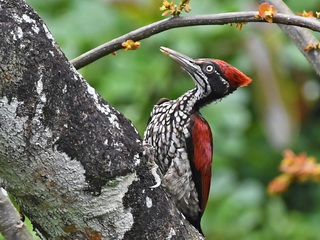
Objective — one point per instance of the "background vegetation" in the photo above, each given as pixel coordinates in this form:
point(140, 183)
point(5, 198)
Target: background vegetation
point(279, 110)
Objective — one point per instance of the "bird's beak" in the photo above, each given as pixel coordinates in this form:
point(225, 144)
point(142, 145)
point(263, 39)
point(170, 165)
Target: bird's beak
point(184, 61)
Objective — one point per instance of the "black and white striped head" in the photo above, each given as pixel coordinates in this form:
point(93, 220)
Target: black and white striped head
point(214, 78)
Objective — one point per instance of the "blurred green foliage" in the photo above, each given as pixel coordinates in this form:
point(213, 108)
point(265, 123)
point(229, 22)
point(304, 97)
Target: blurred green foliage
point(251, 127)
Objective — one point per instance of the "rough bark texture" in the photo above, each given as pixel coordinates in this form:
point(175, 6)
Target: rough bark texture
point(73, 163)
point(11, 225)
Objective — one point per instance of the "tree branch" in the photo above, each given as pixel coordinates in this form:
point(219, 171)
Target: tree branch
point(11, 226)
point(177, 22)
point(300, 36)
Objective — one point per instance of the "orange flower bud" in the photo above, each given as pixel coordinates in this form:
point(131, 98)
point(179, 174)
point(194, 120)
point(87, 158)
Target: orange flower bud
point(279, 184)
point(266, 12)
point(130, 45)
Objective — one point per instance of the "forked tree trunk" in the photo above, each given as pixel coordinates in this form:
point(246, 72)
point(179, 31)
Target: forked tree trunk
point(73, 163)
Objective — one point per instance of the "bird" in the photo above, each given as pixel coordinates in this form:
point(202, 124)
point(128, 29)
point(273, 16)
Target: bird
point(182, 139)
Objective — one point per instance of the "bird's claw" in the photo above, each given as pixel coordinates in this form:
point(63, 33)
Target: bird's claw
point(156, 176)
point(149, 152)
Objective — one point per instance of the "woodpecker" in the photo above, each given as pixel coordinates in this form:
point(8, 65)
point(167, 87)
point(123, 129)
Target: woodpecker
point(182, 138)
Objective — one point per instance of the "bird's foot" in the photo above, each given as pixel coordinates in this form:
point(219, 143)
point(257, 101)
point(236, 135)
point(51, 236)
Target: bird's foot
point(154, 168)
point(157, 178)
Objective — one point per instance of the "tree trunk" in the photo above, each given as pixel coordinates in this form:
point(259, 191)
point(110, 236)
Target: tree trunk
point(73, 163)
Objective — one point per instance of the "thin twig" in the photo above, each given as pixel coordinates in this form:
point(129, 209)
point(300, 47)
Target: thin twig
point(177, 22)
point(300, 36)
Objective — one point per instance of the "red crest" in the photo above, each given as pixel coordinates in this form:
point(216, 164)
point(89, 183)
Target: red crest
point(234, 76)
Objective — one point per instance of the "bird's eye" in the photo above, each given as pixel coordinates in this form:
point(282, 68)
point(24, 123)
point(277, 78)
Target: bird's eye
point(209, 68)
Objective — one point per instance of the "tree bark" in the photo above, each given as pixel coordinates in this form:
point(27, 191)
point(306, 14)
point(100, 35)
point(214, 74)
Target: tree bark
point(75, 165)
point(11, 225)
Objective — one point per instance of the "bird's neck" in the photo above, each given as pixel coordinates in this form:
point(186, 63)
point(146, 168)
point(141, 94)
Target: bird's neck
point(192, 100)
point(203, 99)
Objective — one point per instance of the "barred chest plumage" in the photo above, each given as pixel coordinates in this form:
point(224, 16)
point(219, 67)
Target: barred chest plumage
point(168, 131)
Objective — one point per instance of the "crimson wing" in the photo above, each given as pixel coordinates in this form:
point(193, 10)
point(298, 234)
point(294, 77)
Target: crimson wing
point(200, 150)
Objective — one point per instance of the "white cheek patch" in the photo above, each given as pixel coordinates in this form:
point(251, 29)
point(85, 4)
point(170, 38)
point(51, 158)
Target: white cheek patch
point(201, 81)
